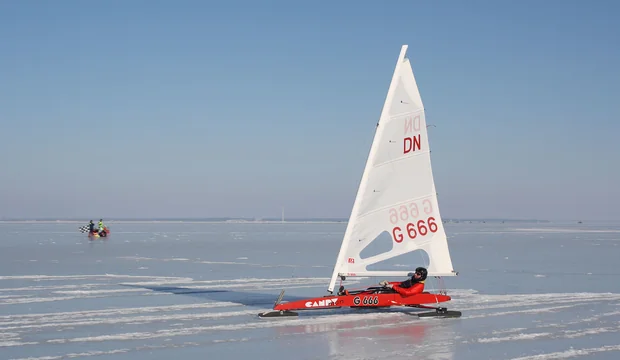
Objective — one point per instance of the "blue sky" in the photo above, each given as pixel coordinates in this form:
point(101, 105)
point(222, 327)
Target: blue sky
point(235, 108)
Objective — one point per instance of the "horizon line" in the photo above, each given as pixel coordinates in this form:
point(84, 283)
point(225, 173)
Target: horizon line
point(258, 219)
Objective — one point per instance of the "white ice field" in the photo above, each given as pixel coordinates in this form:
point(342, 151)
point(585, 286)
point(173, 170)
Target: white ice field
point(192, 291)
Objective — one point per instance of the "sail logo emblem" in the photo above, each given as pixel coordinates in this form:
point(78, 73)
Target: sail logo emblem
point(322, 303)
point(351, 261)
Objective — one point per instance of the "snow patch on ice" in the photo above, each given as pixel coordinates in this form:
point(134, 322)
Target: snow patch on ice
point(570, 353)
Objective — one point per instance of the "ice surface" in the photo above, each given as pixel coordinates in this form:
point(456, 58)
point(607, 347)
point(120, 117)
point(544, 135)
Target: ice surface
point(192, 290)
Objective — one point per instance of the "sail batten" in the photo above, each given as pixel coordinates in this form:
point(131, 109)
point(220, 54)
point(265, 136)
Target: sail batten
point(400, 159)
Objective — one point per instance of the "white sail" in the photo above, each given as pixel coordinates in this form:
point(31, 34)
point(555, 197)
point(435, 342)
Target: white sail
point(397, 191)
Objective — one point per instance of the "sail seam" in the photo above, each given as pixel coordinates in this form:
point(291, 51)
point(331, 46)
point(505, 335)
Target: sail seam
point(405, 114)
point(401, 158)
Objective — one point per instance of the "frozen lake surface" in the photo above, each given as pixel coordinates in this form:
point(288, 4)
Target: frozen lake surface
point(192, 290)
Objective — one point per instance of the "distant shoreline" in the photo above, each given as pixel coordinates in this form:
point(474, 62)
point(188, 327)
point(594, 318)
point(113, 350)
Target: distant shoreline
point(246, 221)
point(174, 222)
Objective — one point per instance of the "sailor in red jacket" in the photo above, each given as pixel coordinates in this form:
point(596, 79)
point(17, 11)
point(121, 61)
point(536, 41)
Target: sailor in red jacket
point(409, 287)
